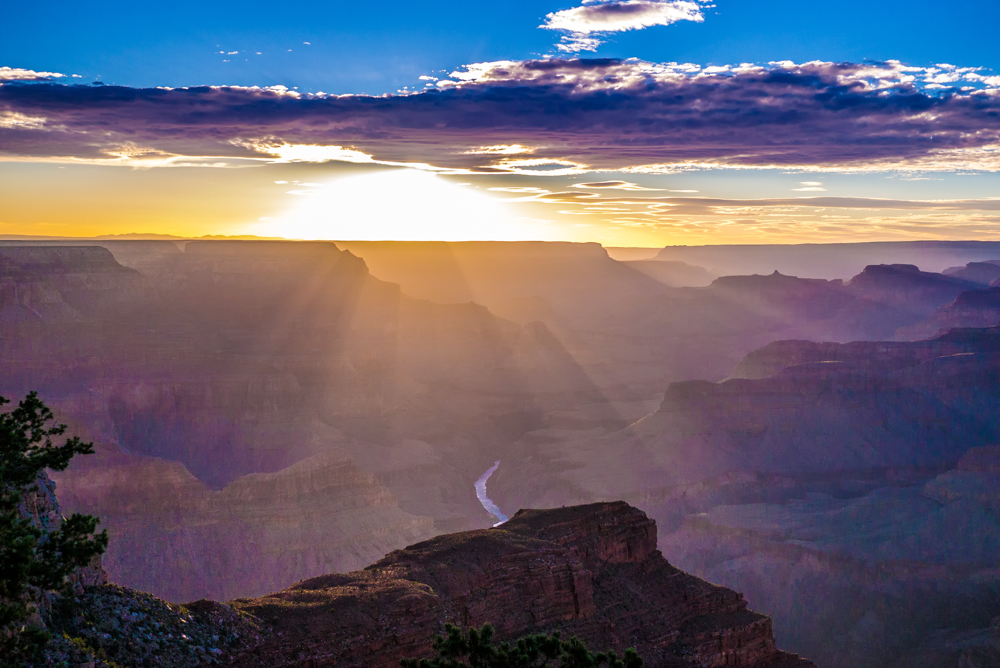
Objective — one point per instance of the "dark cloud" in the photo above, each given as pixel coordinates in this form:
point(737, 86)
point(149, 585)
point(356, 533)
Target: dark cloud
point(602, 114)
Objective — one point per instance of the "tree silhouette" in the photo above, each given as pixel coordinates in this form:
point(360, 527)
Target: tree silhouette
point(475, 649)
point(33, 560)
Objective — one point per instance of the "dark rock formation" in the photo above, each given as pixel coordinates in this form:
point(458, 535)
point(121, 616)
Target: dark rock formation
point(591, 571)
point(872, 356)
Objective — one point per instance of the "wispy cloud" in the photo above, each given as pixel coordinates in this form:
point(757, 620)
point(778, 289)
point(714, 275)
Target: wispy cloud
point(611, 185)
point(573, 115)
point(586, 25)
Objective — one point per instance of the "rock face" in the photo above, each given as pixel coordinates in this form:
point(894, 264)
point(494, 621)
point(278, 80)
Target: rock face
point(591, 571)
point(900, 575)
point(673, 274)
point(40, 506)
point(61, 285)
point(172, 535)
point(859, 477)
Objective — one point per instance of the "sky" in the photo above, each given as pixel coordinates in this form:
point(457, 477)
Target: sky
point(627, 122)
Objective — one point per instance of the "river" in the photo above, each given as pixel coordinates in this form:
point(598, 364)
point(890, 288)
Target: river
point(487, 502)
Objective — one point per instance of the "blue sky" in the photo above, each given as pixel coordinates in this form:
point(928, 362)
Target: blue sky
point(379, 47)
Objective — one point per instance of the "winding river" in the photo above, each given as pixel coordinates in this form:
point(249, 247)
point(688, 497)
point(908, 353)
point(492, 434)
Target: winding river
point(487, 502)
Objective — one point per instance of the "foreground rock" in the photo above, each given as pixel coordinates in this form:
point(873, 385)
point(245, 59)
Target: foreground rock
point(591, 571)
point(102, 625)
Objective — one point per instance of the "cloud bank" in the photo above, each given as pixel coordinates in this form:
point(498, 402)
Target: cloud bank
point(600, 17)
point(569, 116)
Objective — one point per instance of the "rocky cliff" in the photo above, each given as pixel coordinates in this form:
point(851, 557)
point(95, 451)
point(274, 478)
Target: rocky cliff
point(591, 571)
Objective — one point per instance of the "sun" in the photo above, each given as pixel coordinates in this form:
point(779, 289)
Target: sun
point(400, 205)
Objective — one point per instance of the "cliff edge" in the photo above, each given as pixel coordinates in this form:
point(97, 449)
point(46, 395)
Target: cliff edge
point(592, 571)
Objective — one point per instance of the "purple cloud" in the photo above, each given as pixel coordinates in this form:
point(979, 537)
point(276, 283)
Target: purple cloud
point(600, 17)
point(599, 114)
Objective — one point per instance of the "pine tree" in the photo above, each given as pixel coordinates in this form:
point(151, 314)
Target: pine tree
point(33, 560)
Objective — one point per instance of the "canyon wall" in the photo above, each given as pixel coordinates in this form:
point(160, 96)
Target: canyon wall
point(859, 477)
point(589, 571)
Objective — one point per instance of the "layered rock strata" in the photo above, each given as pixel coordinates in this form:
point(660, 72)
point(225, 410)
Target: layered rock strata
point(590, 571)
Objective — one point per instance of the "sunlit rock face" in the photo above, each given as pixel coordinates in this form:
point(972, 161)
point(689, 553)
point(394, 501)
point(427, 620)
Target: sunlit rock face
point(589, 571)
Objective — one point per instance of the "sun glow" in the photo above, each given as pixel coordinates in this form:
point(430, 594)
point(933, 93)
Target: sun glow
point(401, 205)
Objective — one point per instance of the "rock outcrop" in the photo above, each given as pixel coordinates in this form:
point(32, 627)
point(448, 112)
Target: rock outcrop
point(590, 571)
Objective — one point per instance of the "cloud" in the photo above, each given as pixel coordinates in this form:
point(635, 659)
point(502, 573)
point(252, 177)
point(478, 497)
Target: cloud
point(501, 149)
point(12, 119)
point(600, 17)
point(612, 185)
point(810, 186)
point(575, 115)
point(18, 74)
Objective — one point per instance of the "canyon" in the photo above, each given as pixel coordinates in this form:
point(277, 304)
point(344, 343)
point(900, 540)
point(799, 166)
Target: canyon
point(269, 412)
